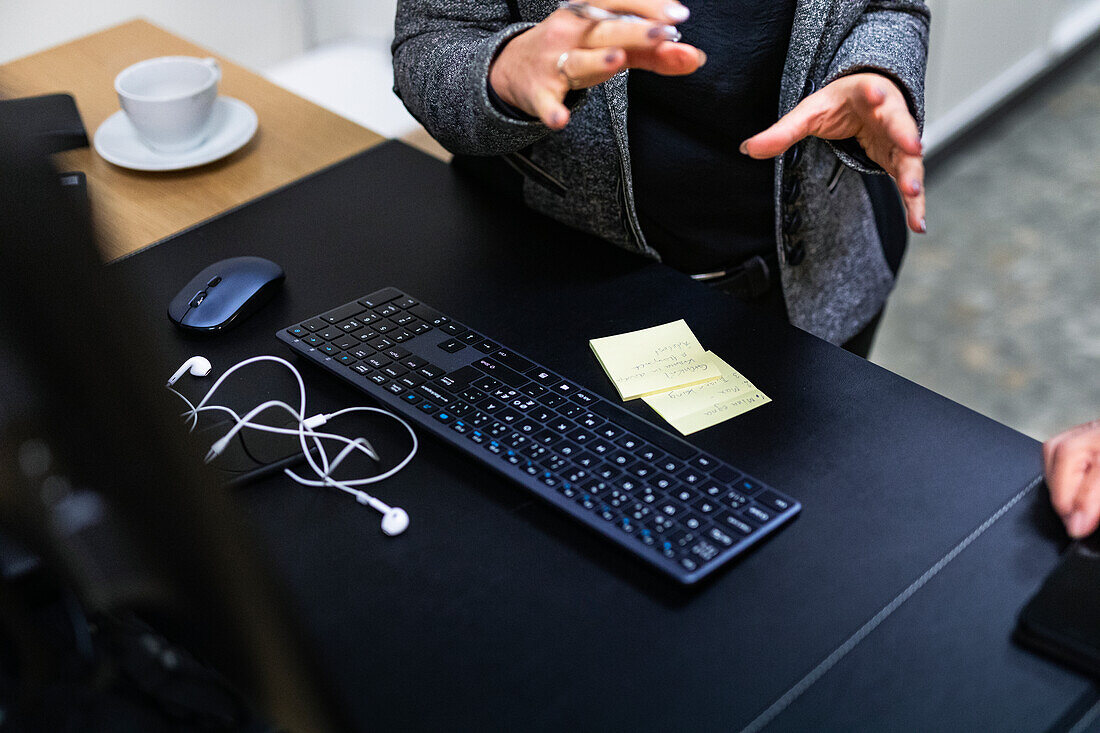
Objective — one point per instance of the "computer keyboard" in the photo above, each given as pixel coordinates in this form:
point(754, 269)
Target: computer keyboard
point(679, 509)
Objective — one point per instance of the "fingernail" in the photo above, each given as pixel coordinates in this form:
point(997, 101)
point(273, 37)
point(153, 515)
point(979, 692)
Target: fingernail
point(664, 32)
point(1077, 525)
point(914, 187)
point(744, 148)
point(919, 145)
point(923, 227)
point(676, 12)
point(559, 119)
point(610, 58)
point(702, 58)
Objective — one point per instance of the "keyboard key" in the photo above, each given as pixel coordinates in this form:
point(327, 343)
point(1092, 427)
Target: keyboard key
point(411, 398)
point(386, 327)
point(395, 388)
point(771, 499)
point(453, 328)
point(381, 343)
point(330, 333)
point(748, 486)
point(486, 346)
point(426, 407)
point(419, 327)
point(379, 297)
point(734, 523)
point(719, 537)
point(405, 302)
point(756, 513)
point(297, 331)
point(485, 384)
point(404, 319)
point(430, 371)
point(543, 377)
point(429, 392)
point(361, 369)
point(394, 370)
point(470, 338)
point(431, 315)
point(583, 398)
point(690, 476)
point(512, 360)
point(315, 324)
point(704, 462)
point(412, 362)
point(460, 379)
point(724, 474)
point(571, 410)
point(533, 390)
point(451, 346)
point(344, 312)
point(387, 310)
point(377, 361)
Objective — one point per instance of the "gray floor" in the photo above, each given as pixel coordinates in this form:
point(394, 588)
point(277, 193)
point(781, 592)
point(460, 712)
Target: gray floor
point(998, 307)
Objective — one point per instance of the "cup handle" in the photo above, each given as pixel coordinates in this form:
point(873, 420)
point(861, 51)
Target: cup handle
point(213, 64)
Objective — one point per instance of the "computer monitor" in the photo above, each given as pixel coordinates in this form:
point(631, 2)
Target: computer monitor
point(98, 484)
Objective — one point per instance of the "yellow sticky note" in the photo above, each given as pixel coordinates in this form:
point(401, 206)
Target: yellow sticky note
point(699, 406)
point(654, 359)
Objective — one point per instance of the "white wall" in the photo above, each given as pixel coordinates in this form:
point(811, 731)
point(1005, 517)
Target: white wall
point(255, 33)
point(983, 50)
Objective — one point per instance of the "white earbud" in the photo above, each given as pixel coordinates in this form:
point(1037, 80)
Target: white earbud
point(199, 366)
point(395, 520)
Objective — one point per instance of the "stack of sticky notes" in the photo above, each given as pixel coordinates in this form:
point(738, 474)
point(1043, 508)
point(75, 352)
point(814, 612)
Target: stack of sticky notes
point(667, 367)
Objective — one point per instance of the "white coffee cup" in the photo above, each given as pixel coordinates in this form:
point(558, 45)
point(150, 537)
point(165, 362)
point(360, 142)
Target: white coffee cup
point(169, 100)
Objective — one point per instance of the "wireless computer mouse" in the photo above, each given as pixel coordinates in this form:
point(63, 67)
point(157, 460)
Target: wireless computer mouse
point(225, 293)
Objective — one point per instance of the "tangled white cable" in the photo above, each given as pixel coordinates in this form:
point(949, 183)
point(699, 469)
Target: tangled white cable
point(394, 519)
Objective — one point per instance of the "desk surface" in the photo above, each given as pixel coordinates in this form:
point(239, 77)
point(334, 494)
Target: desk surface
point(887, 604)
point(133, 208)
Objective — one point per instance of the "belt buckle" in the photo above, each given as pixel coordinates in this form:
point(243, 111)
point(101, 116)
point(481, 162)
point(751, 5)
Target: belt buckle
point(749, 280)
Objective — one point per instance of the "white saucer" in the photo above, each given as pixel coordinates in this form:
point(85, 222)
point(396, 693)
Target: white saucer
point(232, 124)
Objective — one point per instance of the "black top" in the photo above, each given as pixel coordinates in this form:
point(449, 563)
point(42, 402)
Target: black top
point(702, 204)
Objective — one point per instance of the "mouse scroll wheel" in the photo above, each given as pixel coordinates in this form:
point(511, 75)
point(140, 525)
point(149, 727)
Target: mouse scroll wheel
point(199, 297)
point(214, 281)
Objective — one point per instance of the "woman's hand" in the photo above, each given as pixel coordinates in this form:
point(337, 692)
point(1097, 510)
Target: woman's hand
point(869, 107)
point(1072, 464)
point(536, 69)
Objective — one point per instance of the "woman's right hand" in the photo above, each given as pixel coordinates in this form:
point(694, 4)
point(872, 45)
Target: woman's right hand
point(1072, 463)
point(536, 69)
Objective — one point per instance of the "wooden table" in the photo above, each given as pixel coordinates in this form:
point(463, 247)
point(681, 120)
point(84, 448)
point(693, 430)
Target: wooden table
point(133, 208)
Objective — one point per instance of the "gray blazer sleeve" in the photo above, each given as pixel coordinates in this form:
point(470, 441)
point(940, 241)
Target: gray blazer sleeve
point(442, 50)
point(891, 38)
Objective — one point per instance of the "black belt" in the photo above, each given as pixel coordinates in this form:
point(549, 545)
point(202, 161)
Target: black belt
point(748, 280)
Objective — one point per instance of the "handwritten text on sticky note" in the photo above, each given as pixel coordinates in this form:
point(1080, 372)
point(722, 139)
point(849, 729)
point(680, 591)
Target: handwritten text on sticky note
point(699, 406)
point(654, 360)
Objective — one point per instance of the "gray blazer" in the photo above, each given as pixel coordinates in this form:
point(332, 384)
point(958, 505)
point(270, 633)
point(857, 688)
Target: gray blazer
point(835, 278)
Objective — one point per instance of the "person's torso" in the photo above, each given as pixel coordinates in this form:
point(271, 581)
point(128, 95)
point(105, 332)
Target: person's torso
point(701, 203)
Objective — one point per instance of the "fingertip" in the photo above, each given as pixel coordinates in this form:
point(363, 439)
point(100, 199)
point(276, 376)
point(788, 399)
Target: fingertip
point(1079, 525)
point(557, 119)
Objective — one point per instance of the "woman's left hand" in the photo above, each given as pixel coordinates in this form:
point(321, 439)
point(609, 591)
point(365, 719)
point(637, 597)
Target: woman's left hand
point(869, 107)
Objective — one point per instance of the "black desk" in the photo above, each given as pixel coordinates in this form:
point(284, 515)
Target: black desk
point(493, 611)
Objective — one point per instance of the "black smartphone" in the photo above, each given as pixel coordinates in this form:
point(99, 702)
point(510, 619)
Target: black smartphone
point(1062, 620)
point(253, 454)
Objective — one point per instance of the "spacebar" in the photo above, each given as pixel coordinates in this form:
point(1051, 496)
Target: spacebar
point(644, 430)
